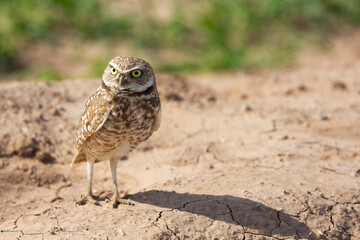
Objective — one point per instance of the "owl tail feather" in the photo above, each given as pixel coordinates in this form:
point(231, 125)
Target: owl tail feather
point(80, 157)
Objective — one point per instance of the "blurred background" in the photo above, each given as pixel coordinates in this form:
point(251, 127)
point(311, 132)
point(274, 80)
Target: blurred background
point(51, 40)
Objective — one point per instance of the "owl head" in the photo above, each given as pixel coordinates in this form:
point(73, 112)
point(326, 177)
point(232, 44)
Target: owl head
point(127, 74)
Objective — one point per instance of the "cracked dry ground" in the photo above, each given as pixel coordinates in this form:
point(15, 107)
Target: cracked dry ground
point(257, 156)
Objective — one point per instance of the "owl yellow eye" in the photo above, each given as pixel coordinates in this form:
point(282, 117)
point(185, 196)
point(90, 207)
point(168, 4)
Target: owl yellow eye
point(113, 71)
point(136, 73)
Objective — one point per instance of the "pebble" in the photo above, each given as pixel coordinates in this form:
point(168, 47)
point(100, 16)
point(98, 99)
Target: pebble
point(323, 116)
point(121, 232)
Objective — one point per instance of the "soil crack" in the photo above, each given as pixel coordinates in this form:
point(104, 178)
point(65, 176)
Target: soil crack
point(277, 225)
point(173, 233)
point(244, 230)
point(231, 213)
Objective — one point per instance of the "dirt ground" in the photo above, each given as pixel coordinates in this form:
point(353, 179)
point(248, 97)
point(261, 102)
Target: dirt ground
point(265, 155)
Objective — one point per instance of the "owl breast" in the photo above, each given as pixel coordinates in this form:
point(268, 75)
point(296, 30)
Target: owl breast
point(130, 123)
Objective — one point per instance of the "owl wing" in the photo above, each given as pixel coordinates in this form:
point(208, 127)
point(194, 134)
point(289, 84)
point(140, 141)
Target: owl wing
point(94, 115)
point(96, 111)
point(157, 122)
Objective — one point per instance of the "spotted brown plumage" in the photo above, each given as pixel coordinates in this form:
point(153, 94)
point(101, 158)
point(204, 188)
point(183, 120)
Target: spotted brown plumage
point(94, 115)
point(124, 111)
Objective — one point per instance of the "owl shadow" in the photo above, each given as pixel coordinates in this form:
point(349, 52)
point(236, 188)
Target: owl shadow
point(253, 216)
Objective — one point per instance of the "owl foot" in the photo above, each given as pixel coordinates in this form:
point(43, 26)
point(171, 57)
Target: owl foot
point(87, 198)
point(116, 200)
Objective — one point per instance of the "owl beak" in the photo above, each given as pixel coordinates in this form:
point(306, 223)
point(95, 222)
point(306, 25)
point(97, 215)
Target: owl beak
point(124, 82)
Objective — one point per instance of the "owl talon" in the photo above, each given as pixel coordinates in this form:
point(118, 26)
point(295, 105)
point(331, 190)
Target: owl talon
point(117, 200)
point(86, 198)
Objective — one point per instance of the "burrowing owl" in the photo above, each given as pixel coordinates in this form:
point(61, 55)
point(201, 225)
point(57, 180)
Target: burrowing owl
point(124, 111)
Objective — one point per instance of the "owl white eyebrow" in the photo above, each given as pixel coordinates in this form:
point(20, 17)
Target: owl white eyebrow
point(124, 71)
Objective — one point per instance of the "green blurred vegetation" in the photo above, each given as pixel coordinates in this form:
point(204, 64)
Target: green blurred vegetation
point(201, 35)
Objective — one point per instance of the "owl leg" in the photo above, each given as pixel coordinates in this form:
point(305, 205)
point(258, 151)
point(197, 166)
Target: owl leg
point(116, 200)
point(88, 197)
